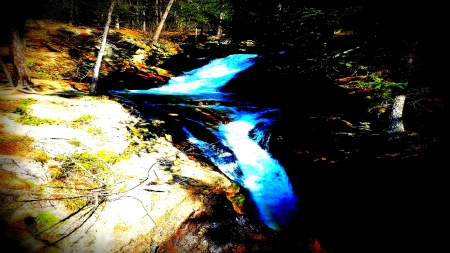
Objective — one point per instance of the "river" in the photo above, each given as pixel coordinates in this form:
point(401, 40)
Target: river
point(232, 133)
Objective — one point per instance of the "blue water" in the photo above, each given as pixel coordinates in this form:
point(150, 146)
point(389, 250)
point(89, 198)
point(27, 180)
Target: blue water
point(207, 79)
point(262, 175)
point(238, 156)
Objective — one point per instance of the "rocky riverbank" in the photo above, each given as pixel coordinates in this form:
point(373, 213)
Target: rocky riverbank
point(92, 180)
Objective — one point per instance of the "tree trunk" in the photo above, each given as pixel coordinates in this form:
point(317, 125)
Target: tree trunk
point(20, 70)
point(219, 28)
point(396, 117)
point(98, 63)
point(143, 20)
point(71, 12)
point(156, 7)
point(161, 23)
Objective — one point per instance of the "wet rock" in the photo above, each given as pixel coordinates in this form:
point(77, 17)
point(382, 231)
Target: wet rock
point(218, 228)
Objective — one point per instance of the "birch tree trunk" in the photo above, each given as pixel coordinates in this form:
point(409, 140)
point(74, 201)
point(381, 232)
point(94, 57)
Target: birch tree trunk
point(396, 116)
point(161, 23)
point(98, 63)
point(219, 28)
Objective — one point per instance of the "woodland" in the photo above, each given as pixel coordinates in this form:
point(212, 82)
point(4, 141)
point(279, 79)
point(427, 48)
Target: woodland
point(381, 59)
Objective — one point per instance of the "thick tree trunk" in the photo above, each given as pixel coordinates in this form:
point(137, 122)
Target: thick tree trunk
point(396, 116)
point(161, 23)
point(98, 63)
point(21, 74)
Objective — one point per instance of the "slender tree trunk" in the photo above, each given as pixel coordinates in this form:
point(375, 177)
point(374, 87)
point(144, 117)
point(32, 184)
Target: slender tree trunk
point(20, 69)
point(117, 26)
point(98, 63)
point(161, 23)
point(71, 12)
point(219, 28)
point(157, 16)
point(396, 116)
point(143, 19)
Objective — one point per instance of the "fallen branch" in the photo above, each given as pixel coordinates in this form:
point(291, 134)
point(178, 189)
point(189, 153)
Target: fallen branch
point(345, 52)
point(92, 175)
point(91, 213)
point(143, 207)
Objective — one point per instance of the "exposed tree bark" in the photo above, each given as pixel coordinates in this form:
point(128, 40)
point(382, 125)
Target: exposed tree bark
point(98, 63)
point(161, 23)
point(20, 70)
point(396, 117)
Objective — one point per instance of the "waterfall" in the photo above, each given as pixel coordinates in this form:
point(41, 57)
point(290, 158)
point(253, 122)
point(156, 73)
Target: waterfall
point(240, 157)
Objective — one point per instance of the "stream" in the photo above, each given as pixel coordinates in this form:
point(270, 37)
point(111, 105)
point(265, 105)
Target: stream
point(233, 134)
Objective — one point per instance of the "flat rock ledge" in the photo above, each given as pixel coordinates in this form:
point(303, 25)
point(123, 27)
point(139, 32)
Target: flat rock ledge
point(152, 200)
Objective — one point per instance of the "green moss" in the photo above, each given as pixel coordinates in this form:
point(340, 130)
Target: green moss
point(238, 198)
point(75, 143)
point(30, 62)
point(22, 108)
point(95, 130)
point(108, 156)
point(41, 156)
point(132, 149)
point(31, 120)
point(52, 76)
point(76, 204)
point(85, 159)
point(85, 118)
point(47, 218)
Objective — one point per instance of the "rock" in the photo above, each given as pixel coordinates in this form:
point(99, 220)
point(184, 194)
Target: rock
point(149, 202)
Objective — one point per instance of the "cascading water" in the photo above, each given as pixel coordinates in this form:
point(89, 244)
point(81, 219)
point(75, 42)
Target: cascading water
point(207, 79)
point(262, 175)
point(242, 158)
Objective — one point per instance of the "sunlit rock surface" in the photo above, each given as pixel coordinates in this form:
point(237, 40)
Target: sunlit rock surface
point(160, 187)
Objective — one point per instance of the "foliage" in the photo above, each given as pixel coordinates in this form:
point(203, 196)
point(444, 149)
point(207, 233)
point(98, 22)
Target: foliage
point(380, 86)
point(203, 14)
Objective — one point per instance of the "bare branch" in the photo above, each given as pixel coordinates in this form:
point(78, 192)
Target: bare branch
point(142, 207)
